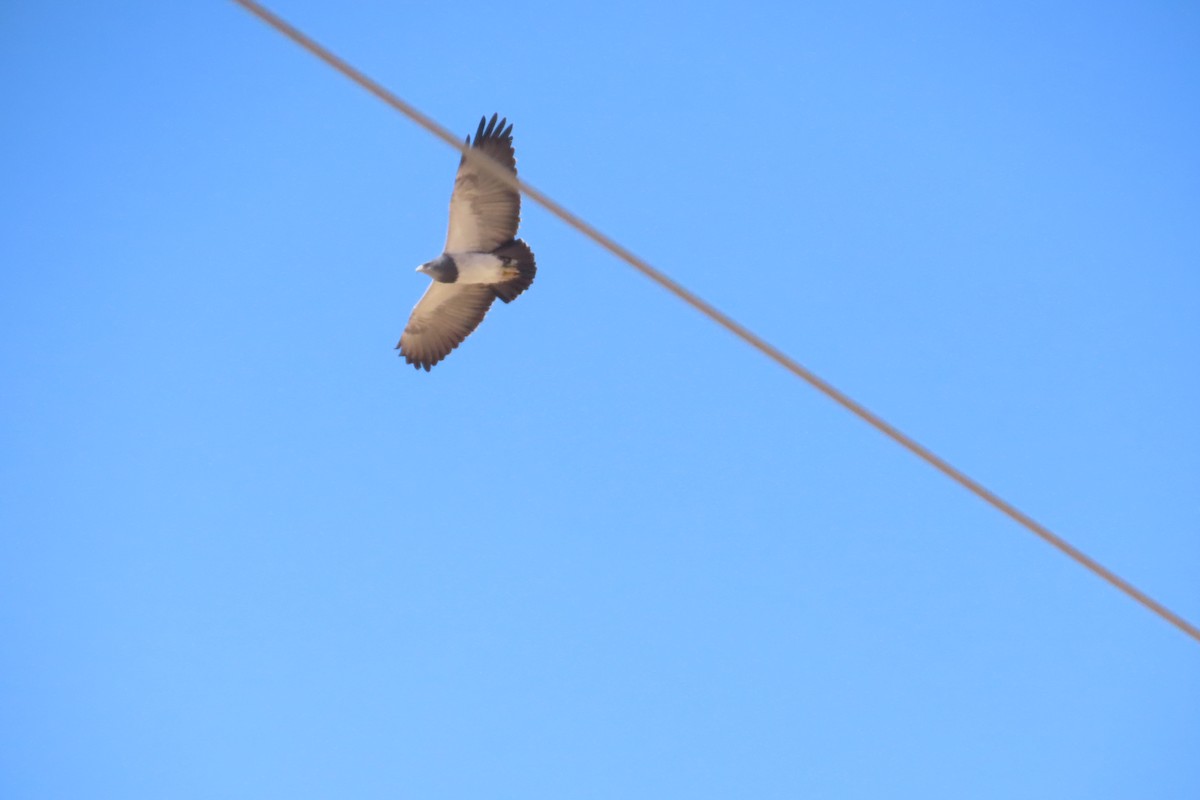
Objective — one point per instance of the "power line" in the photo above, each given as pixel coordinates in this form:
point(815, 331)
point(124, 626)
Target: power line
point(770, 351)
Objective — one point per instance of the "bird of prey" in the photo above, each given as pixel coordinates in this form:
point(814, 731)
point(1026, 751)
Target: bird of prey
point(481, 261)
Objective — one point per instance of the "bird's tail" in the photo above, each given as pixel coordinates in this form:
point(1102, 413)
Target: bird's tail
point(516, 254)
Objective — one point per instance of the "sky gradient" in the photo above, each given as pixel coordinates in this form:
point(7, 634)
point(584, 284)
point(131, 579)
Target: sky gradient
point(604, 549)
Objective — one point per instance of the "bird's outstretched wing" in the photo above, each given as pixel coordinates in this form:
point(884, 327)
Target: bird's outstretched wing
point(442, 319)
point(484, 213)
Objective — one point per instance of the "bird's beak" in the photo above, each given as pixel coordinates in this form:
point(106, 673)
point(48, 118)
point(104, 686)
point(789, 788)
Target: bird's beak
point(421, 268)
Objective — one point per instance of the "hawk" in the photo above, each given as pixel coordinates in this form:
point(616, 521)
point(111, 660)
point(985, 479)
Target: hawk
point(481, 260)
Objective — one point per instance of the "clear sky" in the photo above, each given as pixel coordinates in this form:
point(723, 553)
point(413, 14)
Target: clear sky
point(604, 550)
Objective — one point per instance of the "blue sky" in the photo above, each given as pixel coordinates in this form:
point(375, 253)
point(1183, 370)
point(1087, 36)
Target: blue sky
point(604, 549)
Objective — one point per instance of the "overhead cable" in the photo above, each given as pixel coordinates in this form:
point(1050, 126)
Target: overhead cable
point(737, 329)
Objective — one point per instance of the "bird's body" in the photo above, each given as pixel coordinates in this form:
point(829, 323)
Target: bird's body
point(480, 268)
point(481, 260)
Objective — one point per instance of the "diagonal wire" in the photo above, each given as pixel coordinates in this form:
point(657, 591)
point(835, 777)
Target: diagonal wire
point(770, 351)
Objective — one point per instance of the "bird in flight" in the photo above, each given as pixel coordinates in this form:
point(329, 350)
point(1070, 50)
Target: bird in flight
point(481, 261)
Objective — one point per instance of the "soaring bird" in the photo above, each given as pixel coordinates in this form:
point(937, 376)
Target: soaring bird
point(481, 261)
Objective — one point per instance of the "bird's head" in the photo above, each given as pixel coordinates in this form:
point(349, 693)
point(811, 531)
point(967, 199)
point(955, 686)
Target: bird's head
point(441, 269)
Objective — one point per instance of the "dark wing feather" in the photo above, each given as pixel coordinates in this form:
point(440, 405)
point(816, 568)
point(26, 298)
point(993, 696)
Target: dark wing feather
point(446, 315)
point(484, 213)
